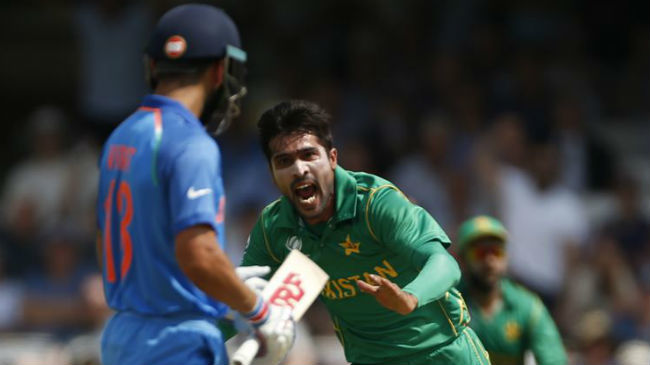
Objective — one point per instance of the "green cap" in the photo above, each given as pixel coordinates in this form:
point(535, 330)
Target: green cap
point(480, 226)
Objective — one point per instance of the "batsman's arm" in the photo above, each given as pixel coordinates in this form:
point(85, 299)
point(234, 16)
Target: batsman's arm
point(208, 267)
point(255, 253)
point(409, 230)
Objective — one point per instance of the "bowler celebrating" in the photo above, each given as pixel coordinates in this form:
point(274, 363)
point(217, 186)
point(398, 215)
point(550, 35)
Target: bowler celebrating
point(390, 293)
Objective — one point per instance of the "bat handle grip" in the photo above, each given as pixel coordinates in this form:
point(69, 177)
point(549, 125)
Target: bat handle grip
point(246, 352)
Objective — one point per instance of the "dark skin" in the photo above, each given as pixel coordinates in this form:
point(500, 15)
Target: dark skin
point(299, 159)
point(486, 263)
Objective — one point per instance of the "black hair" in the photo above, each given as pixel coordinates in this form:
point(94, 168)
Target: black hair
point(291, 117)
point(184, 72)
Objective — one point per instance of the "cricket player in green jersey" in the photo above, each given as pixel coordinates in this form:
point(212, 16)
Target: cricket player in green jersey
point(508, 318)
point(391, 293)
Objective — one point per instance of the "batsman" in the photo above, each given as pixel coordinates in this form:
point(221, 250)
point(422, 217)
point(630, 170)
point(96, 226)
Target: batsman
point(391, 293)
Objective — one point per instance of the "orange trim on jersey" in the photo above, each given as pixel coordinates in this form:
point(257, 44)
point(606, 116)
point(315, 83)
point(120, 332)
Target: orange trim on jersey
point(221, 213)
point(157, 116)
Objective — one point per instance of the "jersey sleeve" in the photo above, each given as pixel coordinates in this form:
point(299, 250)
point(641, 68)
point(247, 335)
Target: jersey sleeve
point(545, 341)
point(402, 226)
point(409, 230)
point(194, 190)
point(258, 249)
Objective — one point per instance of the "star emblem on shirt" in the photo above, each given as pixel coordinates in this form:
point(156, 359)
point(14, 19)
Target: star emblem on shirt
point(349, 246)
point(512, 330)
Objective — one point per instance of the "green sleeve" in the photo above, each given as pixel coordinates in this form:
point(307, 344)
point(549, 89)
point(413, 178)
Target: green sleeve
point(409, 230)
point(258, 249)
point(439, 273)
point(545, 341)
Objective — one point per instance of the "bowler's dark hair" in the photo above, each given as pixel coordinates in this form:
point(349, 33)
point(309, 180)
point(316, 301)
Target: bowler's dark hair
point(294, 116)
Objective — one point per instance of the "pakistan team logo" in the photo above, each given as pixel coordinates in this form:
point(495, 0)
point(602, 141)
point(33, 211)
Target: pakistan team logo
point(512, 331)
point(294, 243)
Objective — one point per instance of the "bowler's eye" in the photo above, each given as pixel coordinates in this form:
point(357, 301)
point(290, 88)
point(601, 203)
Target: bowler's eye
point(310, 155)
point(282, 161)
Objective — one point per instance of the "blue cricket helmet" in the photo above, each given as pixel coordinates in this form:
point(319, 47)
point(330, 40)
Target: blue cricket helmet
point(192, 33)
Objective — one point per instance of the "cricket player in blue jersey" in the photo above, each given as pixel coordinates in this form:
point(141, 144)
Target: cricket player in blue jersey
point(161, 206)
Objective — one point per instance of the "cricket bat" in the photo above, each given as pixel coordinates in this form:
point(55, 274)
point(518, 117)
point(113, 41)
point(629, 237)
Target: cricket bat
point(296, 283)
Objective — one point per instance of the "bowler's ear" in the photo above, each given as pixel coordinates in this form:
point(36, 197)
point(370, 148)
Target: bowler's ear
point(333, 156)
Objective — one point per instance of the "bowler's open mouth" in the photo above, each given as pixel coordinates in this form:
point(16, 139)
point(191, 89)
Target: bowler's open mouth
point(306, 192)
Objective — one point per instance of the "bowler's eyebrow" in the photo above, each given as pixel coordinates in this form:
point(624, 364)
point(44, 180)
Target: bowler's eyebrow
point(298, 151)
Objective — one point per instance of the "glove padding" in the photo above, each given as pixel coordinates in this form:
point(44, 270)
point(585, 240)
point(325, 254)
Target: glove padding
point(252, 277)
point(276, 335)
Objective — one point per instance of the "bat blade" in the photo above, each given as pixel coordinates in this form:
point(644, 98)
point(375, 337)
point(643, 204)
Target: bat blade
point(297, 283)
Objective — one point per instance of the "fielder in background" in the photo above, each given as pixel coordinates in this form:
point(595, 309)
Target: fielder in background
point(391, 291)
point(508, 318)
point(161, 206)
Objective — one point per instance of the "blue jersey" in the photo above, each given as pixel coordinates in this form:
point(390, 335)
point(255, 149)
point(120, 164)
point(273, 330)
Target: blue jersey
point(160, 173)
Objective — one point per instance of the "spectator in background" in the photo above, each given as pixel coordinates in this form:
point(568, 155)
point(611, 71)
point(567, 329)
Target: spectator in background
point(36, 183)
point(84, 348)
point(628, 226)
point(111, 36)
point(31, 200)
point(586, 164)
point(357, 156)
point(601, 281)
point(594, 343)
point(509, 139)
point(546, 221)
point(423, 175)
point(80, 192)
point(53, 293)
point(502, 148)
point(468, 117)
point(618, 274)
point(11, 298)
point(246, 176)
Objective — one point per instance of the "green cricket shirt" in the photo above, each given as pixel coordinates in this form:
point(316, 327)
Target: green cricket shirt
point(522, 323)
point(375, 230)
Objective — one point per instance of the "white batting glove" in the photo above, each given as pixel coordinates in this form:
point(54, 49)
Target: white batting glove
point(247, 272)
point(276, 330)
point(251, 275)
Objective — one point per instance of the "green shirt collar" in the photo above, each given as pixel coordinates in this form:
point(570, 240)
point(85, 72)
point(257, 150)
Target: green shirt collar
point(345, 186)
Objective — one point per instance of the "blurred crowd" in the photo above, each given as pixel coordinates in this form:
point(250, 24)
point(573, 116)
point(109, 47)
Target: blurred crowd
point(536, 112)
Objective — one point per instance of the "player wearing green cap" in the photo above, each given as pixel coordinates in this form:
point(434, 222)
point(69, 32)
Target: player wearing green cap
point(508, 318)
point(390, 293)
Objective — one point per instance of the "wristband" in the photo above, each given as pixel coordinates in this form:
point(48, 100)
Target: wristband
point(259, 314)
